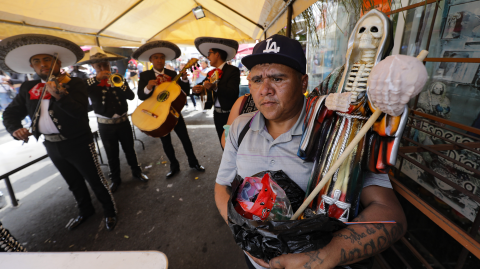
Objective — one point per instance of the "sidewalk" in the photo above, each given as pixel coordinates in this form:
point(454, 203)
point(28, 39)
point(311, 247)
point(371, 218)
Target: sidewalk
point(177, 216)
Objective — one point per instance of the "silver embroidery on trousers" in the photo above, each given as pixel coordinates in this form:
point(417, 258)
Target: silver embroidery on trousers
point(100, 173)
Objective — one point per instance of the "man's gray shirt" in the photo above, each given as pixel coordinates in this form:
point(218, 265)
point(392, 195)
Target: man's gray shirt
point(260, 152)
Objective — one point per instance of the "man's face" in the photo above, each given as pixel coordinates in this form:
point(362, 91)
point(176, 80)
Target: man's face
point(158, 61)
point(42, 64)
point(277, 91)
point(102, 66)
point(214, 58)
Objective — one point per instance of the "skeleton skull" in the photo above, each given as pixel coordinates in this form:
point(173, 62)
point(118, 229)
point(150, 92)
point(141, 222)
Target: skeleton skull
point(370, 32)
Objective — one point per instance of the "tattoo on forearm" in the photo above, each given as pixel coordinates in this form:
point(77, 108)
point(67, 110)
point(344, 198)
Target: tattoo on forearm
point(314, 259)
point(371, 247)
point(354, 237)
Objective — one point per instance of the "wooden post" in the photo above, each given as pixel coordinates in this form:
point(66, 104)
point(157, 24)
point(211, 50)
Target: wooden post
point(289, 20)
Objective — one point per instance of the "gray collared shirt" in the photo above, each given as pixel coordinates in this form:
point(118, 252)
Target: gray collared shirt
point(260, 152)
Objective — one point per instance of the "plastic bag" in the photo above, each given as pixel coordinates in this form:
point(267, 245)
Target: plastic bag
point(262, 199)
point(269, 239)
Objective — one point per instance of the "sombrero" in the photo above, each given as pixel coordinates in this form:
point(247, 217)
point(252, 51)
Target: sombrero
point(205, 43)
point(16, 51)
point(170, 50)
point(96, 55)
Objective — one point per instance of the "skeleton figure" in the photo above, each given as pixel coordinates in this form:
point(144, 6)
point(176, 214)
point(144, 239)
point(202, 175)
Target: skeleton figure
point(391, 83)
point(369, 35)
point(368, 44)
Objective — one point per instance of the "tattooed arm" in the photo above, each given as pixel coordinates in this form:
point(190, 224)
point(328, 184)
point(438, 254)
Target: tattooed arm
point(356, 242)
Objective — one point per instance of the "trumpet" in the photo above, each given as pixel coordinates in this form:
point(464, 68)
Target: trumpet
point(116, 80)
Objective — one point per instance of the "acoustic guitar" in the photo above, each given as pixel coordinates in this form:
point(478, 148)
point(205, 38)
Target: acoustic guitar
point(206, 98)
point(158, 115)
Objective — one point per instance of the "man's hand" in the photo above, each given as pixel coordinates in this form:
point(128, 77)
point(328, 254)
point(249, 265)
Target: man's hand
point(198, 89)
point(258, 261)
point(103, 75)
point(54, 91)
point(22, 134)
point(208, 85)
point(152, 83)
point(184, 75)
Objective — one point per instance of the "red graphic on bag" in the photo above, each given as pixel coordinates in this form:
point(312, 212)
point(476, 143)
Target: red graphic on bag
point(36, 91)
point(256, 197)
point(163, 78)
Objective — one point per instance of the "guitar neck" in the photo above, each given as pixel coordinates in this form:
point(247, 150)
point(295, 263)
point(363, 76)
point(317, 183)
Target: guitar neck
point(177, 77)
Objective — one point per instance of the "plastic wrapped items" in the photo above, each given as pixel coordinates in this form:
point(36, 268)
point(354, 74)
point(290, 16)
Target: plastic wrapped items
point(262, 199)
point(269, 239)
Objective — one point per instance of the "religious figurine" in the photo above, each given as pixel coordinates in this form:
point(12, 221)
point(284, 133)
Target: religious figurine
point(341, 105)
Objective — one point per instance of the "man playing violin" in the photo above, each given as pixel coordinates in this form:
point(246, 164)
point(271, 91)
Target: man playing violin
point(219, 51)
point(110, 105)
point(62, 118)
point(157, 52)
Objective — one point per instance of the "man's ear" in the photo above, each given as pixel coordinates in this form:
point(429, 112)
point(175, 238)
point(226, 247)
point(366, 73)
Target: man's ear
point(31, 65)
point(304, 83)
point(59, 63)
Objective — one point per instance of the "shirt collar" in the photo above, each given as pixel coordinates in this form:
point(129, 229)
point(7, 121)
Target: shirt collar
point(222, 65)
point(158, 72)
point(258, 122)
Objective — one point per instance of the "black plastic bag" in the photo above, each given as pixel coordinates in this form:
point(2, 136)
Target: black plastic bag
point(269, 239)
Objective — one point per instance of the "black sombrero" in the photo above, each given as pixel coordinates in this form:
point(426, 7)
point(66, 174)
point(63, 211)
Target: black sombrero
point(205, 43)
point(16, 51)
point(97, 55)
point(170, 50)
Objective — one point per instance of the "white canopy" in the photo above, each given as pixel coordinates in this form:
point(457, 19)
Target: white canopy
point(132, 22)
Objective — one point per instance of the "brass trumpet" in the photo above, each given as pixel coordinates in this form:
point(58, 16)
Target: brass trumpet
point(116, 80)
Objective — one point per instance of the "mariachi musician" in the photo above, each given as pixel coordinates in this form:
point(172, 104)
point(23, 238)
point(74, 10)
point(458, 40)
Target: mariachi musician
point(157, 52)
point(62, 117)
point(109, 94)
point(219, 51)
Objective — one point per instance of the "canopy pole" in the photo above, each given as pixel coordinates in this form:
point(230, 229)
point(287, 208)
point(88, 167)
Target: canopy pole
point(276, 18)
point(289, 21)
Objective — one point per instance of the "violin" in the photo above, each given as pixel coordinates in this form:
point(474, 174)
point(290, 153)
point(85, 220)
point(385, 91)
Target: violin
point(63, 79)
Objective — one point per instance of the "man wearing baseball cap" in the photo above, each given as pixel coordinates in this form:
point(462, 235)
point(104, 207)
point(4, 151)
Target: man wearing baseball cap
point(277, 82)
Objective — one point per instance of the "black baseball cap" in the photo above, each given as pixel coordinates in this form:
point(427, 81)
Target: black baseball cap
point(278, 49)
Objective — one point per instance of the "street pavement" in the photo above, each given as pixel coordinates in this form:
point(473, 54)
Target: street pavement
point(176, 216)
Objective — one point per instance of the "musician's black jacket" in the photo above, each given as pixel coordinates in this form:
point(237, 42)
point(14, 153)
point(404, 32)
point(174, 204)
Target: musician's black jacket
point(228, 86)
point(109, 101)
point(146, 76)
point(69, 114)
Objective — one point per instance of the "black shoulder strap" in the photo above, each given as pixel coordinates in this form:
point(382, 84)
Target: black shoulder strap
point(244, 132)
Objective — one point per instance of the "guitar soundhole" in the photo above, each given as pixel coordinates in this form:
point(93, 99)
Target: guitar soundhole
point(163, 96)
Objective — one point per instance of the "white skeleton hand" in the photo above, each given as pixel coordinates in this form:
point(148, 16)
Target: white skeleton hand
point(394, 81)
point(338, 101)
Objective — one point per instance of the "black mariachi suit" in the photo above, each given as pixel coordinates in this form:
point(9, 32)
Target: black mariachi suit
point(227, 93)
point(108, 101)
point(180, 128)
point(75, 158)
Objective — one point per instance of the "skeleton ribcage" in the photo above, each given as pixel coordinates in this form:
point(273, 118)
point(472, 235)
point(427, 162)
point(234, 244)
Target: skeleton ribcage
point(357, 79)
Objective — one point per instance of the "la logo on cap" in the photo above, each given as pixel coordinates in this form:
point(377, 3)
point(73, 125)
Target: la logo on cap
point(271, 47)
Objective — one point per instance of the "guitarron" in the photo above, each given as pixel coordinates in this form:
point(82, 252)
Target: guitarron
point(158, 115)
